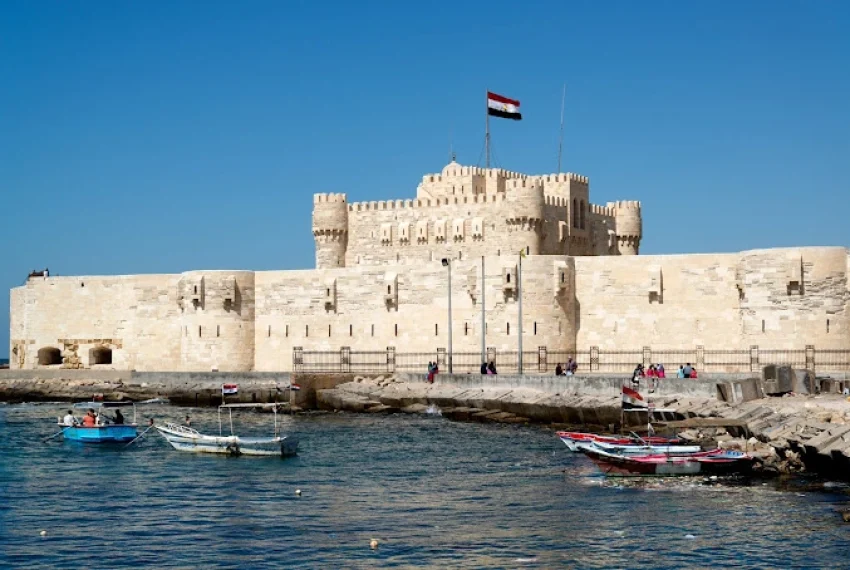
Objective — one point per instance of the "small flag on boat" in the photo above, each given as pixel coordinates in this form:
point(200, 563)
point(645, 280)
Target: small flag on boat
point(498, 106)
point(294, 387)
point(632, 400)
point(229, 389)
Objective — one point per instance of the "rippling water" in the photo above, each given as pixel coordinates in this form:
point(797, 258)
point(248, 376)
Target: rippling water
point(434, 493)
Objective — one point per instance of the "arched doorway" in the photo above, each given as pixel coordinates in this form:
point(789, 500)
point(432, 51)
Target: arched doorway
point(49, 356)
point(100, 355)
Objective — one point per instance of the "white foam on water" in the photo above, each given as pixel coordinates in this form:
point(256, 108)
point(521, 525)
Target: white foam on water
point(690, 536)
point(433, 410)
point(525, 560)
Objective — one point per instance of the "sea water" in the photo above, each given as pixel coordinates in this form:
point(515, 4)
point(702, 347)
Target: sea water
point(432, 492)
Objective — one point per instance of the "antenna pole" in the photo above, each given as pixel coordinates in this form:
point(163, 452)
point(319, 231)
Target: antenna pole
point(561, 137)
point(487, 128)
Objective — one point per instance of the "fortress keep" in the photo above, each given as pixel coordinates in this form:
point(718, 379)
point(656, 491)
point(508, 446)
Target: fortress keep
point(379, 284)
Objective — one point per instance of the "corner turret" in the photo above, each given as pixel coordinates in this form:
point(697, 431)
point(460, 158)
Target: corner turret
point(628, 226)
point(330, 229)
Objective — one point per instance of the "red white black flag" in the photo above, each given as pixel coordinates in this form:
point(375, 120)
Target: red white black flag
point(498, 106)
point(632, 400)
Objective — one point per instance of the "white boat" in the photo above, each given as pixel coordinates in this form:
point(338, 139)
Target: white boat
point(185, 438)
point(629, 449)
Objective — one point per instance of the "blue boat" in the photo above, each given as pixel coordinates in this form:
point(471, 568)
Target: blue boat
point(105, 428)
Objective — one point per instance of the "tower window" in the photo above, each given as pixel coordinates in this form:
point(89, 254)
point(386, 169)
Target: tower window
point(199, 331)
point(329, 330)
point(218, 330)
point(373, 330)
point(196, 289)
point(287, 330)
point(762, 325)
point(527, 250)
point(270, 331)
point(508, 329)
point(827, 326)
point(465, 329)
point(396, 329)
point(436, 329)
point(535, 327)
point(350, 330)
point(306, 330)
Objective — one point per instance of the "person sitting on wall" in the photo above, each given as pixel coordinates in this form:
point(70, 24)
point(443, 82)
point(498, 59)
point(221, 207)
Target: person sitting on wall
point(660, 370)
point(484, 368)
point(69, 419)
point(693, 372)
point(430, 376)
point(572, 366)
point(687, 370)
point(558, 370)
point(681, 372)
point(89, 420)
point(491, 368)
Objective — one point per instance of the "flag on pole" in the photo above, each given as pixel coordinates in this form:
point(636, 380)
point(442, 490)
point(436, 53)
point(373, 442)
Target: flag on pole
point(229, 389)
point(499, 106)
point(294, 387)
point(632, 400)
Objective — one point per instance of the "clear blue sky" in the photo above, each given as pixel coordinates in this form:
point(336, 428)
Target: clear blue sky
point(158, 137)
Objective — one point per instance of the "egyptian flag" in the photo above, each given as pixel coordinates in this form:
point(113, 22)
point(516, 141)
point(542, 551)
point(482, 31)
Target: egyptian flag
point(632, 400)
point(229, 389)
point(498, 106)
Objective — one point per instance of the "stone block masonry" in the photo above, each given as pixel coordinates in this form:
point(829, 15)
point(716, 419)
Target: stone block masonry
point(379, 282)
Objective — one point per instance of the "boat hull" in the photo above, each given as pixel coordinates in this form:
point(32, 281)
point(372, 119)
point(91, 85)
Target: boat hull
point(113, 433)
point(715, 462)
point(572, 438)
point(195, 442)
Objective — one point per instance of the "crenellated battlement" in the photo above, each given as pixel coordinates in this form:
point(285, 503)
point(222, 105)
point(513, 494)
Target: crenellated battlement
point(606, 211)
point(524, 183)
point(625, 205)
point(328, 198)
point(425, 202)
point(562, 177)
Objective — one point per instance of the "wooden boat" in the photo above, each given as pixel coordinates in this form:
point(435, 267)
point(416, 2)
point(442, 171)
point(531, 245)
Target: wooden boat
point(106, 430)
point(184, 438)
point(571, 438)
point(713, 462)
point(637, 449)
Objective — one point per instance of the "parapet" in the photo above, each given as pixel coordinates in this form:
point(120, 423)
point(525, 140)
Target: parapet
point(607, 211)
point(326, 198)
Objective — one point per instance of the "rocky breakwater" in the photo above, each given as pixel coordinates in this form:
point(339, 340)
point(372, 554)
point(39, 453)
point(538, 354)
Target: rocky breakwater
point(477, 401)
point(183, 388)
point(790, 433)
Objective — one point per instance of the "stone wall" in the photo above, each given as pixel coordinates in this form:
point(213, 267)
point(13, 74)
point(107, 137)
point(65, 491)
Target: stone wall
point(778, 298)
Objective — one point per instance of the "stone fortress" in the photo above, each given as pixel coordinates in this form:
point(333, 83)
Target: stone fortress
point(380, 282)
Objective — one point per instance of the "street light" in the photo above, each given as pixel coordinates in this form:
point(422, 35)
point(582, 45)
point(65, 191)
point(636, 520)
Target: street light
point(447, 263)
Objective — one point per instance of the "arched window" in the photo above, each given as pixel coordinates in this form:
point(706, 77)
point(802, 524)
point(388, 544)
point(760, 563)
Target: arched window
point(581, 211)
point(49, 356)
point(100, 355)
point(575, 213)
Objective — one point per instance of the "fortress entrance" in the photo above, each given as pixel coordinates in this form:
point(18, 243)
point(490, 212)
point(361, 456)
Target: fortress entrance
point(100, 355)
point(49, 356)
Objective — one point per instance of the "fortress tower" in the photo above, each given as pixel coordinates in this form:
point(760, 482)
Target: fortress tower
point(330, 230)
point(628, 226)
point(525, 216)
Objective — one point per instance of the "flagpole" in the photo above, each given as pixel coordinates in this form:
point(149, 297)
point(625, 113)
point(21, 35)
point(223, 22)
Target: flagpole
point(487, 128)
point(561, 137)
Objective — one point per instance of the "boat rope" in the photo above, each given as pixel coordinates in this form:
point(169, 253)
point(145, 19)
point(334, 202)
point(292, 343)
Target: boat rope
point(138, 437)
point(60, 432)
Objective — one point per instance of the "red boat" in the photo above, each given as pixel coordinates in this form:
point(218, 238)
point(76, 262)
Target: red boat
point(571, 438)
point(714, 462)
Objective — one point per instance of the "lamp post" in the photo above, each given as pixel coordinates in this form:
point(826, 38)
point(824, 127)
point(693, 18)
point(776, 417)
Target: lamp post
point(447, 263)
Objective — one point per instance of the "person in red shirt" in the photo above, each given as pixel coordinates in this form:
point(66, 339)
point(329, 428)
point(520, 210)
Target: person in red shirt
point(89, 419)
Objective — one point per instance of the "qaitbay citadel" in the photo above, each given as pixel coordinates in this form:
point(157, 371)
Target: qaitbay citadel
point(381, 284)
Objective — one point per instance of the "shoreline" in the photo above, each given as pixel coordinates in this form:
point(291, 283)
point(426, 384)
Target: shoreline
point(787, 434)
